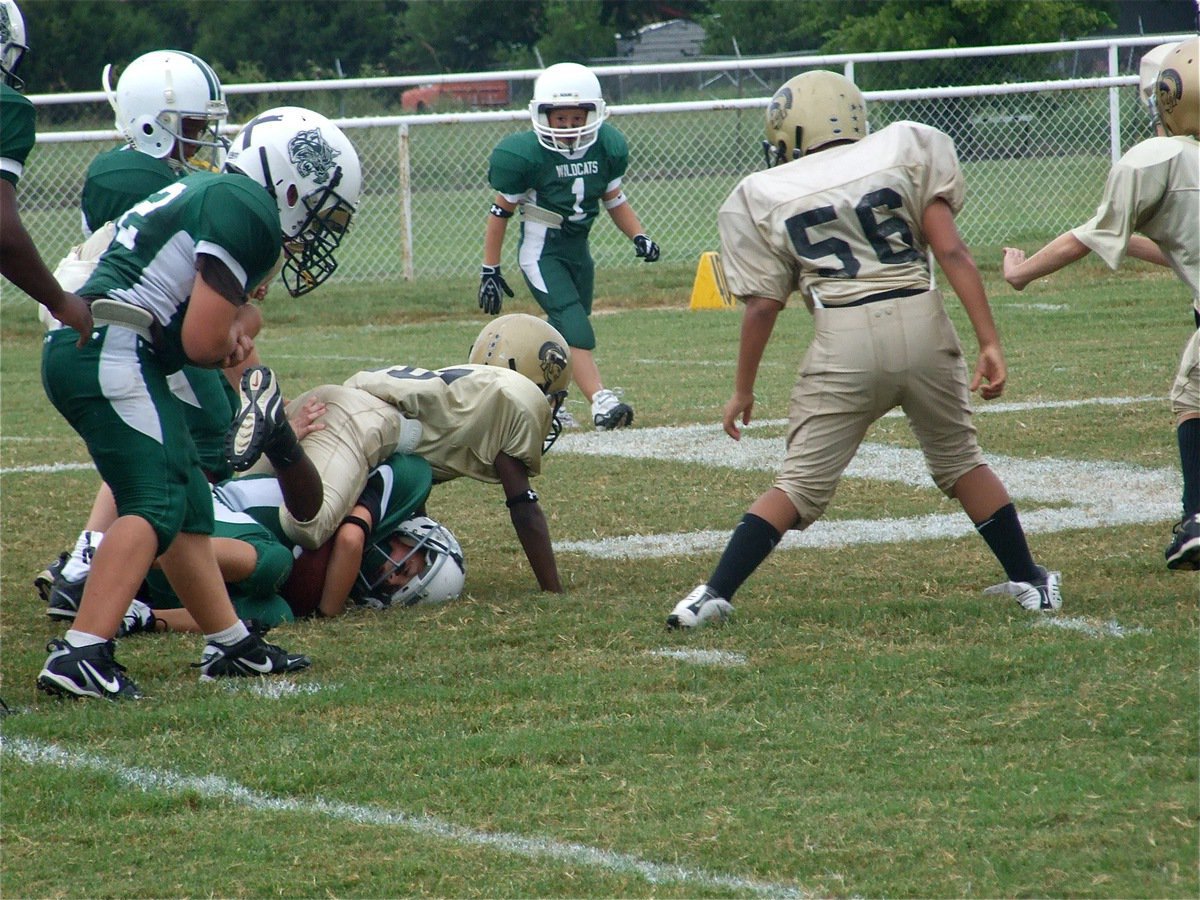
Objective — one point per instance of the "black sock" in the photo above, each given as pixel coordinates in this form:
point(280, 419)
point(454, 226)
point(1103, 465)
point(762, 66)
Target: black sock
point(1189, 462)
point(1006, 539)
point(282, 448)
point(751, 542)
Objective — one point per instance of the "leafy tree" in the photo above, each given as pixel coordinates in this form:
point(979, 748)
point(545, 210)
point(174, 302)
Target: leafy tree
point(572, 31)
point(465, 36)
point(845, 26)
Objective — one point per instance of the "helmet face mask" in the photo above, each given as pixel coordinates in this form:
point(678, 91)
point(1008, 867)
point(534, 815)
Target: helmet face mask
point(1148, 70)
point(311, 170)
point(1177, 89)
point(441, 572)
point(13, 46)
point(811, 110)
point(567, 86)
point(170, 105)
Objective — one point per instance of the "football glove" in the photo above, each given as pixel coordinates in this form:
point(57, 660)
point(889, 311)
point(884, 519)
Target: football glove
point(491, 283)
point(645, 248)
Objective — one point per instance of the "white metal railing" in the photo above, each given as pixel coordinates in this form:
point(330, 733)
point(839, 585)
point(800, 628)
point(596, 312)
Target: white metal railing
point(1035, 154)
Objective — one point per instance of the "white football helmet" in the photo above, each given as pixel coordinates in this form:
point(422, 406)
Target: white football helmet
point(567, 85)
point(441, 579)
point(169, 104)
point(1177, 92)
point(12, 43)
point(811, 110)
point(312, 171)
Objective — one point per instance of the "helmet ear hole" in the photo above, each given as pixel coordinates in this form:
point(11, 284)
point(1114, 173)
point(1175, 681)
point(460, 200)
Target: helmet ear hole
point(293, 195)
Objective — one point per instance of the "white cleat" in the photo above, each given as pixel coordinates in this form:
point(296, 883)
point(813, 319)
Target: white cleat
point(1040, 595)
point(699, 608)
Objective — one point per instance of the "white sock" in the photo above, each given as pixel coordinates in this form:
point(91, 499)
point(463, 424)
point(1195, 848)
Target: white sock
point(79, 563)
point(81, 639)
point(230, 635)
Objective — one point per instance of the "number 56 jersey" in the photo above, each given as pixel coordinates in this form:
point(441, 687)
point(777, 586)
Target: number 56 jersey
point(841, 224)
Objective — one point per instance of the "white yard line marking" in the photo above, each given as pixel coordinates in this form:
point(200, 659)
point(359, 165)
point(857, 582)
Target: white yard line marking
point(703, 657)
point(50, 467)
point(214, 787)
point(1090, 627)
point(1093, 494)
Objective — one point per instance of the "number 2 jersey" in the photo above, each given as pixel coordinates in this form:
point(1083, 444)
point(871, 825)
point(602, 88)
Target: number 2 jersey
point(151, 262)
point(841, 224)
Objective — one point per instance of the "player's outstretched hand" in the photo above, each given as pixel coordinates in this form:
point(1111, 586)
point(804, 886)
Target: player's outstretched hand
point(491, 284)
point(1013, 260)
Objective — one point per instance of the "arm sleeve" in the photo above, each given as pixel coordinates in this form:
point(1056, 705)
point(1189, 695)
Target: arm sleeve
point(753, 268)
point(236, 233)
point(1128, 194)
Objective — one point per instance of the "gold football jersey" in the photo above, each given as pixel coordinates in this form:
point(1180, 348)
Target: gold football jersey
point(1153, 189)
point(841, 224)
point(469, 414)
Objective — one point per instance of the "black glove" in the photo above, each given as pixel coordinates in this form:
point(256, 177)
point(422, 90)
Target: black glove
point(645, 248)
point(491, 283)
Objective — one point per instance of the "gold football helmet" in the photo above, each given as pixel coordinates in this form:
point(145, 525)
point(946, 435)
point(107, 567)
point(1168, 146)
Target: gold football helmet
point(533, 347)
point(528, 345)
point(1178, 89)
point(811, 110)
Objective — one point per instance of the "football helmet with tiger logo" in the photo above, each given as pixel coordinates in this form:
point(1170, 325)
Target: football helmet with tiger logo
point(811, 110)
point(1177, 90)
point(535, 348)
point(312, 171)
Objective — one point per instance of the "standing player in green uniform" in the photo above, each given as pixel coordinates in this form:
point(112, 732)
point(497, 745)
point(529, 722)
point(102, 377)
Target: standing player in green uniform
point(559, 174)
point(172, 289)
point(1154, 190)
point(20, 261)
point(845, 219)
point(169, 106)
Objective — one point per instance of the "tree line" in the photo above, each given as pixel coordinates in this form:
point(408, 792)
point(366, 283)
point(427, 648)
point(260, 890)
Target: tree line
point(270, 40)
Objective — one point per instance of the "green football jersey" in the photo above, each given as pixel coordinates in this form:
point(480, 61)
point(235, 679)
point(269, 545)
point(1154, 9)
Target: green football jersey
point(569, 184)
point(151, 262)
point(18, 129)
point(402, 483)
point(119, 178)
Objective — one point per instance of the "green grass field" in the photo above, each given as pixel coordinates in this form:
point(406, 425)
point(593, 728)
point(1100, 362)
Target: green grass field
point(867, 724)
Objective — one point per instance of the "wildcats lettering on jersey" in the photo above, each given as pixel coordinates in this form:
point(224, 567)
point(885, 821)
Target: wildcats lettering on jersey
point(577, 169)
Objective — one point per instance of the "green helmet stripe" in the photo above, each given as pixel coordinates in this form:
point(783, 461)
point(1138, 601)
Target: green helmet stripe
point(214, 86)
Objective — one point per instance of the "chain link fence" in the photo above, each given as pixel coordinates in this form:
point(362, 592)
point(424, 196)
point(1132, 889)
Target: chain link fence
point(1035, 157)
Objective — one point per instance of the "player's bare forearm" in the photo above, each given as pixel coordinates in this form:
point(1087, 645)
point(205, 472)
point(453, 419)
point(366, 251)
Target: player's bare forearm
point(342, 569)
point(758, 322)
point(1020, 270)
point(1141, 247)
point(626, 219)
point(529, 521)
point(534, 534)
